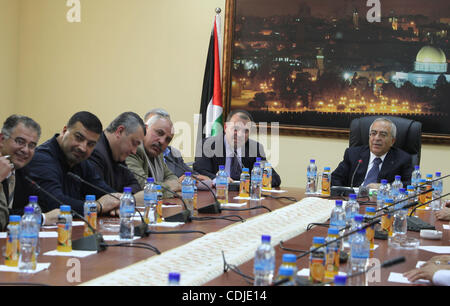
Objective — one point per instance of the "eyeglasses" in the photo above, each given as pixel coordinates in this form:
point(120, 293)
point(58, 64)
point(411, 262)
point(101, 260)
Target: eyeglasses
point(23, 143)
point(382, 134)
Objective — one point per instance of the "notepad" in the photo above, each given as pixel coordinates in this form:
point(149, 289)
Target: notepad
point(233, 204)
point(74, 253)
point(273, 190)
point(436, 249)
point(399, 278)
point(39, 267)
point(115, 238)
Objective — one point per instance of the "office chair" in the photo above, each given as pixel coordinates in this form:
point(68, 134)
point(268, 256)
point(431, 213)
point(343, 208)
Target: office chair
point(409, 134)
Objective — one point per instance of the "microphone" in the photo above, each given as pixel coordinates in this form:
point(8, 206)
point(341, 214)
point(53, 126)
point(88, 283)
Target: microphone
point(94, 242)
point(141, 230)
point(354, 172)
point(184, 216)
point(345, 191)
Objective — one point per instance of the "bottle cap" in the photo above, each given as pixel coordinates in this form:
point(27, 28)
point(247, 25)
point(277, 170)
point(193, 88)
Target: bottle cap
point(90, 197)
point(33, 199)
point(65, 208)
point(402, 190)
point(289, 257)
point(158, 187)
point(340, 280)
point(438, 174)
point(318, 240)
point(362, 231)
point(244, 169)
point(29, 210)
point(358, 218)
point(14, 218)
point(383, 181)
point(422, 181)
point(150, 180)
point(265, 238)
point(430, 176)
point(333, 231)
point(398, 177)
point(312, 161)
point(327, 168)
point(257, 165)
point(174, 276)
point(370, 209)
point(352, 196)
point(338, 202)
point(417, 167)
point(188, 173)
point(286, 271)
point(258, 159)
point(409, 187)
point(221, 167)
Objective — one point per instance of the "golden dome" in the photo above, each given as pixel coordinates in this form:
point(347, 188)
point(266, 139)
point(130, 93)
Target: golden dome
point(429, 54)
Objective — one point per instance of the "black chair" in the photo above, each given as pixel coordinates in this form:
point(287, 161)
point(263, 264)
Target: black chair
point(409, 134)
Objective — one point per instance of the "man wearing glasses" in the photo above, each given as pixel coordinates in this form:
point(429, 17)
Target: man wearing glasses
point(378, 160)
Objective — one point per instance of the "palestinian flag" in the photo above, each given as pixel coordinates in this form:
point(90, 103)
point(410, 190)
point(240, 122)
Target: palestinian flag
point(211, 107)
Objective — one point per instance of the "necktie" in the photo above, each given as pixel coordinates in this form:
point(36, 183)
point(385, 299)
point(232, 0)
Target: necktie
point(235, 168)
point(372, 176)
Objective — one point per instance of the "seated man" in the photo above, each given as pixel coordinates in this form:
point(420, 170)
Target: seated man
point(234, 150)
point(368, 165)
point(435, 270)
point(18, 140)
point(148, 160)
point(67, 153)
point(120, 139)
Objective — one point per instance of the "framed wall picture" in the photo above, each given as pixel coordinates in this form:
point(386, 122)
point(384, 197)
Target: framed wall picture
point(314, 65)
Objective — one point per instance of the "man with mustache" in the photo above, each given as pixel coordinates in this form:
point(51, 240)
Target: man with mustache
point(379, 160)
point(149, 160)
point(69, 152)
point(18, 140)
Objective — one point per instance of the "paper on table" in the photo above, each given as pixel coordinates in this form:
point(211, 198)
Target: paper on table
point(273, 190)
point(399, 278)
point(233, 204)
point(244, 198)
point(167, 224)
point(115, 238)
point(41, 235)
point(39, 267)
point(347, 245)
point(305, 272)
point(436, 249)
point(446, 226)
point(74, 253)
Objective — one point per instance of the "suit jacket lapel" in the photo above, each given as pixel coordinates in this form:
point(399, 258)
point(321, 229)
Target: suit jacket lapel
point(388, 163)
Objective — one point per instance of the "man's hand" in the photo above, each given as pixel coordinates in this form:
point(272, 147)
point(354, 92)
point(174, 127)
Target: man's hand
point(51, 217)
point(109, 204)
point(443, 214)
point(5, 167)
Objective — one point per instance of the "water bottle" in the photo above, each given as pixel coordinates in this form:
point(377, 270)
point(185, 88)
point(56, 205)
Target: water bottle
point(382, 193)
point(359, 255)
point(400, 226)
point(256, 183)
point(337, 219)
point(326, 181)
point(150, 201)
point(357, 223)
point(28, 240)
point(267, 177)
point(437, 192)
point(401, 199)
point(340, 280)
point(222, 185)
point(260, 162)
point(90, 214)
point(395, 187)
point(64, 229)
point(33, 202)
point(127, 210)
point(332, 254)
point(416, 176)
point(187, 191)
point(317, 260)
point(311, 176)
point(264, 263)
point(12, 242)
point(174, 279)
point(351, 209)
point(244, 187)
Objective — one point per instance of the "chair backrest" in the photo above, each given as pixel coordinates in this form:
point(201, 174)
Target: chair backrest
point(409, 134)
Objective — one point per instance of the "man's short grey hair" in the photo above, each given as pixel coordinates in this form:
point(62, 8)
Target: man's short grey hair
point(12, 121)
point(157, 111)
point(393, 126)
point(156, 118)
point(131, 121)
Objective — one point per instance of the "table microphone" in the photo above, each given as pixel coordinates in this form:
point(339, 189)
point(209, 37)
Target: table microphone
point(94, 242)
point(141, 230)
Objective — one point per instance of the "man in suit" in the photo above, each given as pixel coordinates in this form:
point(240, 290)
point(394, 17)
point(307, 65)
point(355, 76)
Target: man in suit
point(18, 140)
point(368, 165)
point(234, 150)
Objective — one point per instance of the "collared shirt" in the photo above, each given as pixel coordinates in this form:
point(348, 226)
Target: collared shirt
point(371, 159)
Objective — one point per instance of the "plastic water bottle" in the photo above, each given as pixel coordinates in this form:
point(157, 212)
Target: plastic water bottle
point(260, 162)
point(351, 209)
point(337, 219)
point(416, 176)
point(174, 279)
point(437, 192)
point(244, 187)
point(395, 187)
point(359, 255)
point(340, 280)
point(264, 263)
point(256, 182)
point(149, 201)
point(267, 177)
point(400, 226)
point(64, 229)
point(187, 191)
point(28, 240)
point(333, 253)
point(317, 260)
point(311, 176)
point(33, 202)
point(127, 210)
point(222, 185)
point(401, 199)
point(90, 214)
point(382, 193)
point(357, 223)
point(12, 242)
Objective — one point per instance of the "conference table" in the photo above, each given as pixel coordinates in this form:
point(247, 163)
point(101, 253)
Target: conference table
point(68, 271)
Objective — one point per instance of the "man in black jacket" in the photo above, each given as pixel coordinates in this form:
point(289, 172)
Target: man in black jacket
point(234, 150)
point(368, 165)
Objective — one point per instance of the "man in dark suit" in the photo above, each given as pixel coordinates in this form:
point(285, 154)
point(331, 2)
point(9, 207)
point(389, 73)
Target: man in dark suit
point(234, 150)
point(368, 165)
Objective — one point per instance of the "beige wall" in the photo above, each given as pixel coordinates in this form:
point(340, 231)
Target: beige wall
point(136, 55)
point(9, 32)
